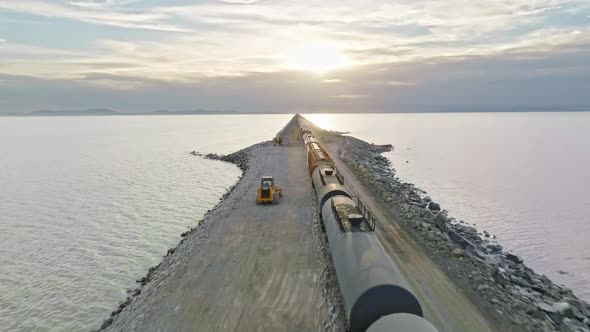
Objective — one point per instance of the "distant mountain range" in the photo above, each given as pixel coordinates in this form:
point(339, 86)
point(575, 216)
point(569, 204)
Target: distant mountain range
point(108, 112)
point(91, 111)
point(400, 109)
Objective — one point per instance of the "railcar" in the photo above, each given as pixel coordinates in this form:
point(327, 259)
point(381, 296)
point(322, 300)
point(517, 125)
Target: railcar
point(375, 294)
point(304, 127)
point(316, 155)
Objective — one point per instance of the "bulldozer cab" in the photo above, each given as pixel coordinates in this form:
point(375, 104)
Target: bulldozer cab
point(268, 192)
point(266, 184)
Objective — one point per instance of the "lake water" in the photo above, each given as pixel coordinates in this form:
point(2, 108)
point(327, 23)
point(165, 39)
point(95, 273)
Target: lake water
point(522, 176)
point(88, 204)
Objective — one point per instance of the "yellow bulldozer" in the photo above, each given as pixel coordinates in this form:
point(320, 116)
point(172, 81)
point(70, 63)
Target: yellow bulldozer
point(268, 192)
point(278, 141)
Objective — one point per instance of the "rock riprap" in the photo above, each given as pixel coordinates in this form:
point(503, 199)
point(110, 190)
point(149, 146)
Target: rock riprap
point(530, 300)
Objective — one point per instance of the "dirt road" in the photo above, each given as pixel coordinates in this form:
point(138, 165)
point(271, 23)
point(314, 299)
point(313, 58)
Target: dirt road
point(443, 303)
point(249, 267)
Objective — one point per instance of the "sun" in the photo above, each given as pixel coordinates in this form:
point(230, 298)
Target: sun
point(317, 58)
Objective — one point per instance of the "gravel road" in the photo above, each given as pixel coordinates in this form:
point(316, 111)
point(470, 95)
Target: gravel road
point(247, 267)
point(267, 268)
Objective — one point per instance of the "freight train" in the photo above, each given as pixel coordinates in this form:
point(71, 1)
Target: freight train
point(375, 294)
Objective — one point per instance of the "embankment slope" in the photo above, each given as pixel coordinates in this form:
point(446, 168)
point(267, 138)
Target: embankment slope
point(465, 281)
point(247, 267)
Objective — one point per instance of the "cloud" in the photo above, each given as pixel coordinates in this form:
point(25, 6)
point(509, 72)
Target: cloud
point(493, 80)
point(240, 2)
point(238, 44)
point(332, 80)
point(350, 96)
point(101, 4)
point(90, 13)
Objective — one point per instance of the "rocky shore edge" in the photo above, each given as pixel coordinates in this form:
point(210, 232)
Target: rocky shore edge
point(191, 239)
point(240, 159)
point(499, 281)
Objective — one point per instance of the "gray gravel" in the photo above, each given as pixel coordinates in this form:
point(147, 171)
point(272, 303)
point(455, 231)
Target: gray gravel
point(245, 267)
point(248, 267)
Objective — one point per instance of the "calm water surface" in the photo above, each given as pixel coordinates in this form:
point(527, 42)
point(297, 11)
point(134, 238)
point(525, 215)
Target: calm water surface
point(88, 204)
point(521, 176)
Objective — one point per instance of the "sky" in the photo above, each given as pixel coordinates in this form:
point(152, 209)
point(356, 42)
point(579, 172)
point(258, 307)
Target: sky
point(285, 55)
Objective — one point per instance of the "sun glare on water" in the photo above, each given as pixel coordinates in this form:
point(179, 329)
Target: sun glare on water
point(317, 58)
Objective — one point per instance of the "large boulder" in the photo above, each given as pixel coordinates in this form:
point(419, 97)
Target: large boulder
point(565, 309)
point(441, 222)
point(458, 252)
point(548, 308)
point(572, 325)
point(432, 206)
point(494, 248)
point(560, 311)
point(459, 239)
point(520, 281)
point(501, 277)
point(579, 304)
point(513, 258)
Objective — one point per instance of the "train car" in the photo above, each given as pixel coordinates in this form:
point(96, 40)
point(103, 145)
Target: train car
point(316, 155)
point(375, 294)
point(327, 179)
point(371, 285)
point(304, 127)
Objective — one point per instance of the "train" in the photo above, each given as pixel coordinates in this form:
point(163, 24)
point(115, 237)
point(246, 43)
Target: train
point(376, 297)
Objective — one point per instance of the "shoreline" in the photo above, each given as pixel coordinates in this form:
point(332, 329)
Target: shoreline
point(133, 293)
point(495, 281)
point(413, 109)
point(130, 314)
point(240, 160)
